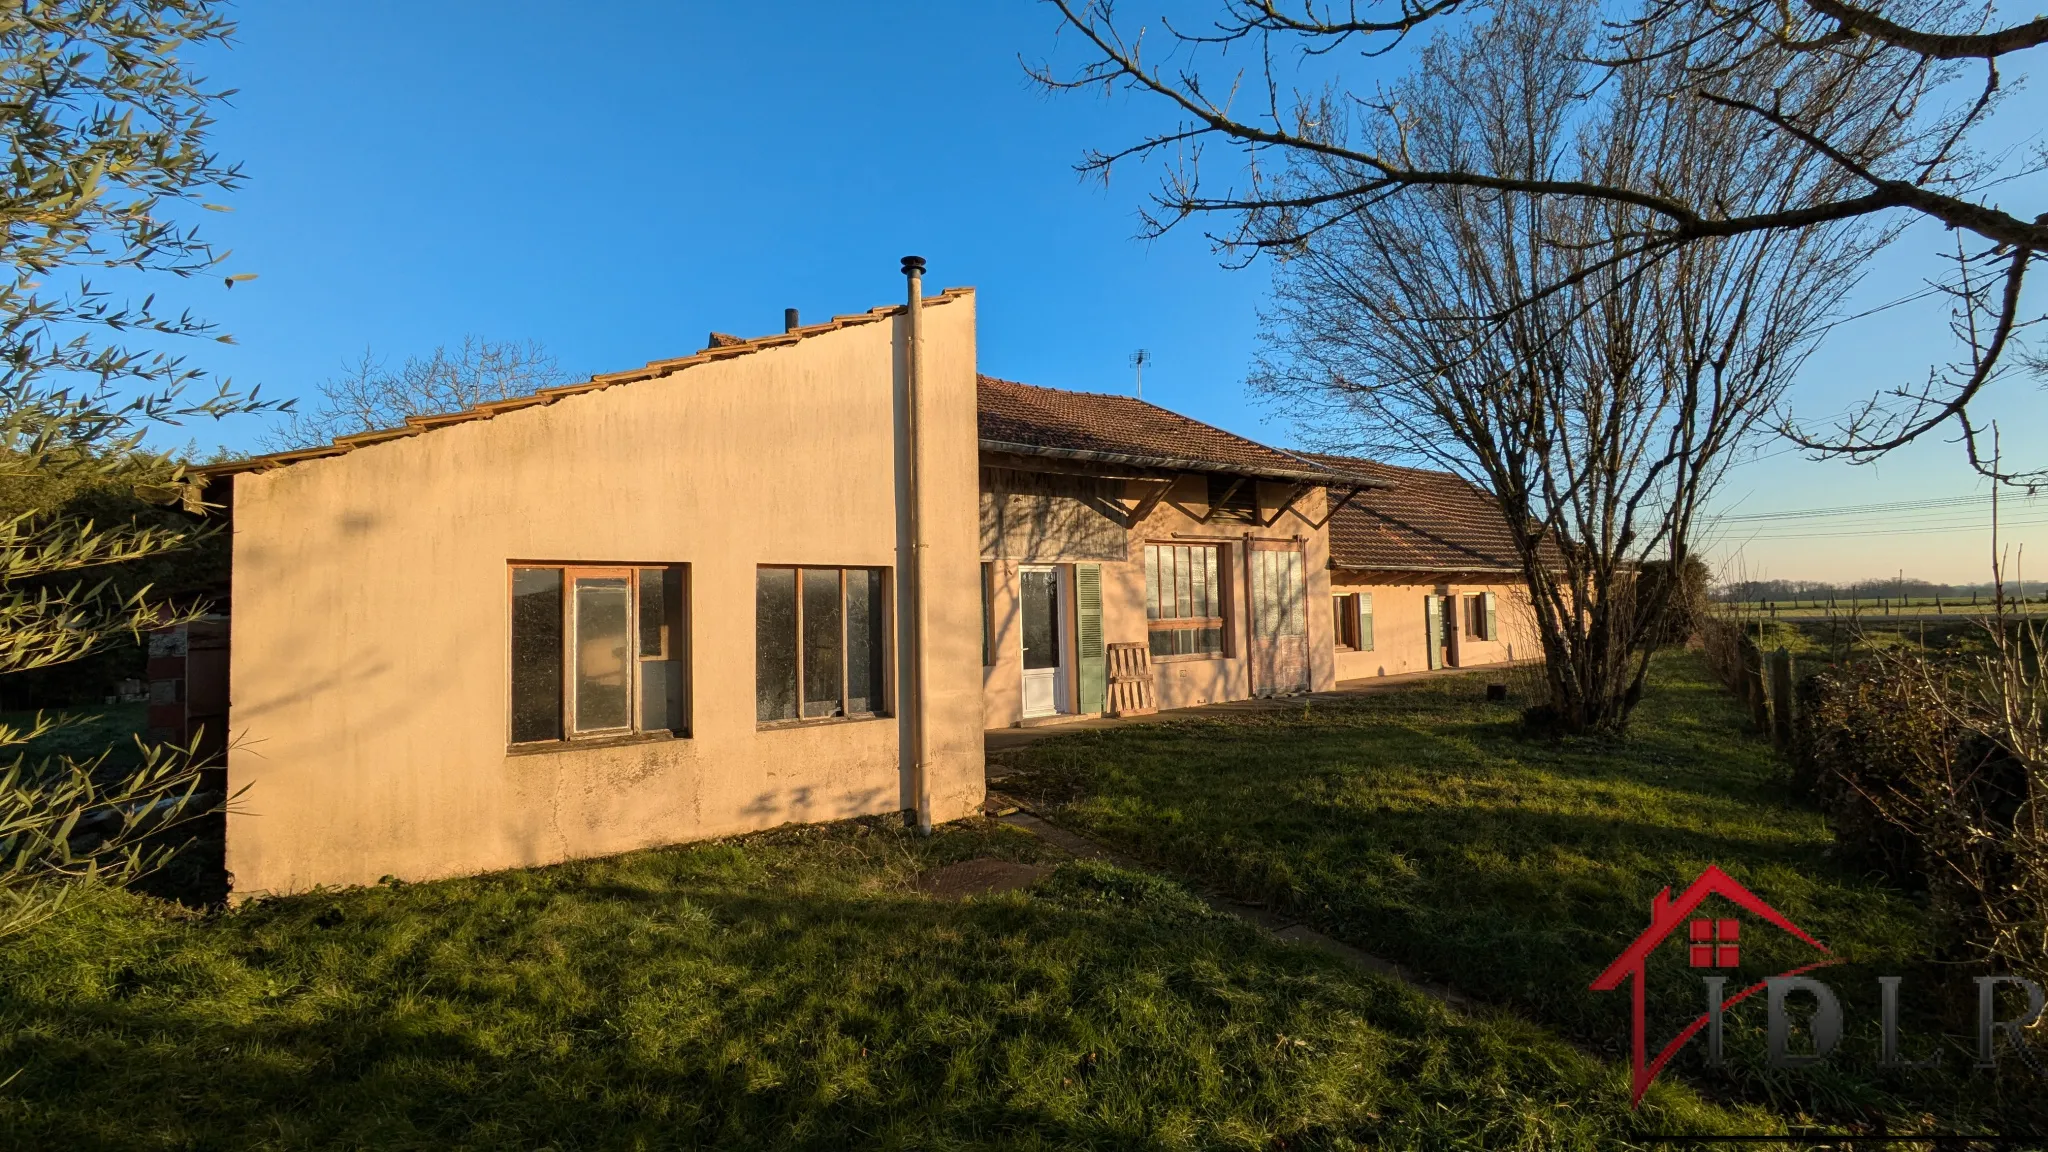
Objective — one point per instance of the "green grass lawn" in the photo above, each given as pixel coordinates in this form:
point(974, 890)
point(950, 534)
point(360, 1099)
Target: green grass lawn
point(792, 989)
point(86, 731)
point(1423, 826)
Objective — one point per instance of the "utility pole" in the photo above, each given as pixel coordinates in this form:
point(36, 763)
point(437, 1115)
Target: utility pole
point(1139, 359)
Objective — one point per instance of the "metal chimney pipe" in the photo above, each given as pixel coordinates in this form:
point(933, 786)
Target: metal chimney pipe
point(789, 321)
point(914, 698)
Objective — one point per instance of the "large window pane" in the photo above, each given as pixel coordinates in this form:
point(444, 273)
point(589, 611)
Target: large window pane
point(661, 695)
point(654, 612)
point(823, 624)
point(1152, 581)
point(866, 642)
point(775, 644)
point(603, 660)
point(1183, 585)
point(536, 654)
point(1041, 612)
point(661, 649)
point(1212, 560)
point(1294, 593)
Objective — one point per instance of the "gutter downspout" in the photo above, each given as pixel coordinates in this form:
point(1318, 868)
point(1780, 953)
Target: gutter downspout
point(914, 699)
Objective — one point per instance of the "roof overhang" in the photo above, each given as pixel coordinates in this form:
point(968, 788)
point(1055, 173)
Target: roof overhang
point(1404, 569)
point(1329, 477)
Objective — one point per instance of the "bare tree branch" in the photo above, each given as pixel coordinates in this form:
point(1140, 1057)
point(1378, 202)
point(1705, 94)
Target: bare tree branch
point(369, 396)
point(1935, 45)
point(1864, 94)
point(1598, 384)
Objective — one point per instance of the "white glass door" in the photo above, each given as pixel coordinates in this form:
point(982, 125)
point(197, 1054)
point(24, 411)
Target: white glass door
point(1044, 655)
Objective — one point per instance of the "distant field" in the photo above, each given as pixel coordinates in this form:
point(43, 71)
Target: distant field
point(1913, 606)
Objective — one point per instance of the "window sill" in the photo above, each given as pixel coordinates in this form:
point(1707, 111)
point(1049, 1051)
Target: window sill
point(820, 721)
point(542, 748)
point(1189, 657)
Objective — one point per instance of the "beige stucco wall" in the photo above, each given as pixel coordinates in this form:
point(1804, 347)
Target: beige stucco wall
point(1180, 682)
point(371, 650)
point(1400, 631)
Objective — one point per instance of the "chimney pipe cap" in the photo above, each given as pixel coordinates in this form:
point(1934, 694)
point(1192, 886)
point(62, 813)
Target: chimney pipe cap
point(789, 320)
point(913, 265)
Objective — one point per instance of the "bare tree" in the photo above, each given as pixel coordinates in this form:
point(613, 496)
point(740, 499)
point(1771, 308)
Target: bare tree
point(369, 395)
point(1882, 98)
point(1598, 390)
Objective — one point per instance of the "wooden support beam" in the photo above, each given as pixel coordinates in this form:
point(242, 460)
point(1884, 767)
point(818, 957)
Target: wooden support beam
point(1150, 500)
point(1219, 501)
point(1330, 513)
point(1298, 491)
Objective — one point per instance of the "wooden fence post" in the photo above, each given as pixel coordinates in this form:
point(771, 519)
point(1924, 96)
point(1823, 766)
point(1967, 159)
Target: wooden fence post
point(1781, 698)
point(1753, 687)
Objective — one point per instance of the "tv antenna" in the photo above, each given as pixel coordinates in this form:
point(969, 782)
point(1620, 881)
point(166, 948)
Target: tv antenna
point(1139, 359)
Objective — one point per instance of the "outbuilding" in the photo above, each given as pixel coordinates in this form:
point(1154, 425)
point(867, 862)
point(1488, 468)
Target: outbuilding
point(782, 579)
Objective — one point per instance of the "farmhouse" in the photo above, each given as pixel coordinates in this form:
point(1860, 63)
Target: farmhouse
point(783, 579)
point(1425, 575)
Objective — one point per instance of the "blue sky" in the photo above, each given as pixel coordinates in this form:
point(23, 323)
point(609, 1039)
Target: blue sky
point(616, 180)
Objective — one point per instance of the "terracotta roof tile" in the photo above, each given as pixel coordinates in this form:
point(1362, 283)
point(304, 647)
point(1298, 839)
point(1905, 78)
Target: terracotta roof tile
point(1425, 522)
point(1085, 423)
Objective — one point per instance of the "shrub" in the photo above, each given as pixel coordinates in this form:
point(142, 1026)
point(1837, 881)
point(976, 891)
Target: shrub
point(1672, 599)
point(1864, 732)
point(1925, 774)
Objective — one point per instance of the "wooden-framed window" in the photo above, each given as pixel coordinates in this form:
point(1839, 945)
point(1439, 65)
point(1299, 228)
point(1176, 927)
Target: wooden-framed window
point(1353, 614)
point(1479, 616)
point(597, 651)
point(1185, 599)
point(821, 643)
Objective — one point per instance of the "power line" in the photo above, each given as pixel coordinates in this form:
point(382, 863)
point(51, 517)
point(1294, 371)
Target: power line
point(1867, 509)
point(1933, 518)
point(1984, 527)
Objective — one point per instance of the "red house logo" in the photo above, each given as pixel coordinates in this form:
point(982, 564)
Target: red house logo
point(1710, 944)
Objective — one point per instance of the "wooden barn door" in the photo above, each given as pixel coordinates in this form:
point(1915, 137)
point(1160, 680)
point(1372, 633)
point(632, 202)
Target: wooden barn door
point(1279, 620)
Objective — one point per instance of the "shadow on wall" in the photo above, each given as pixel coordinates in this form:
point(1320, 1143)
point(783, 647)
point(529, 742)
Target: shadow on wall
point(803, 806)
point(1040, 518)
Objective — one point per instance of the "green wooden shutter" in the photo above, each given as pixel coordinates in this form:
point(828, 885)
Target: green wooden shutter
point(1433, 618)
point(987, 576)
point(1491, 628)
point(1365, 621)
point(1094, 673)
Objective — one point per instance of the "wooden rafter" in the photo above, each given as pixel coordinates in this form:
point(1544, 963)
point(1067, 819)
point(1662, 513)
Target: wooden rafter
point(1220, 501)
point(1330, 513)
point(1150, 500)
point(1293, 495)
